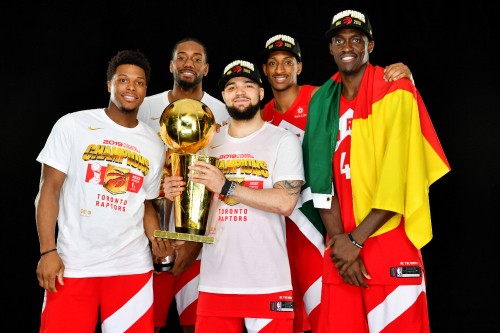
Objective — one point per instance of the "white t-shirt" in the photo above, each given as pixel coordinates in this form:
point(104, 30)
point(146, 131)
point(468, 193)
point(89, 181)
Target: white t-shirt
point(249, 255)
point(110, 171)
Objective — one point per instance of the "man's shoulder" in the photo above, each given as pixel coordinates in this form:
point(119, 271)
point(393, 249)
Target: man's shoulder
point(85, 115)
point(156, 99)
point(269, 105)
point(380, 87)
point(156, 96)
point(217, 107)
point(211, 101)
point(278, 131)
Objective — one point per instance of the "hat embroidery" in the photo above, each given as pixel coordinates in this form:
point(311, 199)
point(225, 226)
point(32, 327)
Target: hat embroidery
point(280, 38)
point(278, 43)
point(347, 20)
point(351, 13)
point(241, 63)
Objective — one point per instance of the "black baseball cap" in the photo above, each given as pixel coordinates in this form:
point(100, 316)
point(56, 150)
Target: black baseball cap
point(281, 43)
point(240, 68)
point(350, 19)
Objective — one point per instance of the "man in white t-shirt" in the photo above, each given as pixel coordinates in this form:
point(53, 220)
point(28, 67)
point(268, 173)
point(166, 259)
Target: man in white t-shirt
point(101, 169)
point(189, 65)
point(245, 277)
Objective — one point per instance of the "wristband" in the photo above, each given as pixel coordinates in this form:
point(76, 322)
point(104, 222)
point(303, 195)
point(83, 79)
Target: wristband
point(354, 242)
point(44, 253)
point(225, 187)
point(231, 190)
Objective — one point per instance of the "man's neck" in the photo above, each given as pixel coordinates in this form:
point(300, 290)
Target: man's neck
point(351, 83)
point(283, 99)
point(178, 93)
point(121, 118)
point(244, 128)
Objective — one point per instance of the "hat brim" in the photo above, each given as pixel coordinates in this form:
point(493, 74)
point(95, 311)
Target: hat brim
point(264, 55)
point(223, 80)
point(332, 31)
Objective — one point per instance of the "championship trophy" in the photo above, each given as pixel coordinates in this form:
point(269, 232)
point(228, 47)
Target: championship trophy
point(163, 207)
point(186, 127)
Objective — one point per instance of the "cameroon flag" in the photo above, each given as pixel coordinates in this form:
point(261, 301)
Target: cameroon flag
point(395, 152)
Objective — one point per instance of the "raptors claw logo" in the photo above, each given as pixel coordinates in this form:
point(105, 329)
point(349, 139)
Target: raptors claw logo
point(347, 20)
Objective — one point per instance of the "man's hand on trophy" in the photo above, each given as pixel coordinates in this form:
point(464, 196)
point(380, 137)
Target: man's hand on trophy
point(186, 254)
point(208, 175)
point(161, 247)
point(173, 186)
point(163, 254)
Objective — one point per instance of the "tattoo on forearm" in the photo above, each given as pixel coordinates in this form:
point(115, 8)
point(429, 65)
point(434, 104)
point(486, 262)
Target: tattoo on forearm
point(292, 187)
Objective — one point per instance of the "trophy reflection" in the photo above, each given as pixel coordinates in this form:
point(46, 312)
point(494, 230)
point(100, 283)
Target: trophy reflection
point(186, 127)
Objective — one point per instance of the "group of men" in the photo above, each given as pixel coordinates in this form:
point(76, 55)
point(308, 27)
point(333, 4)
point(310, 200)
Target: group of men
point(309, 251)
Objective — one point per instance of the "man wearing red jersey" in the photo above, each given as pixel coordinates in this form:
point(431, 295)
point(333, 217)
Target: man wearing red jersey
point(282, 63)
point(385, 154)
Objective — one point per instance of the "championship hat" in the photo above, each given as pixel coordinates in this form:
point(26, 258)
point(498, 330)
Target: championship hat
point(281, 43)
point(240, 68)
point(350, 19)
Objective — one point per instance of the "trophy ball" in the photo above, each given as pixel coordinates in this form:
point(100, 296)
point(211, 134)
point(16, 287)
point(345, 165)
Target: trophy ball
point(187, 125)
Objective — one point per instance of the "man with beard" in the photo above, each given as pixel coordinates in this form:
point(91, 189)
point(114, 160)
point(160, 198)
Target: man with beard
point(245, 276)
point(189, 64)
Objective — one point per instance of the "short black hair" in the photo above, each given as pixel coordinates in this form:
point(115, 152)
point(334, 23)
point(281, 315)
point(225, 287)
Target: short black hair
point(129, 57)
point(190, 39)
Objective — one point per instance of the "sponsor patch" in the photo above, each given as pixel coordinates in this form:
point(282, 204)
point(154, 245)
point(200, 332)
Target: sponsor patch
point(406, 271)
point(281, 306)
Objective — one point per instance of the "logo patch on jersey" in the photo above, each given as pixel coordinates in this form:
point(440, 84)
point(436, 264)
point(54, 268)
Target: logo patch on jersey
point(406, 272)
point(90, 128)
point(213, 147)
point(281, 306)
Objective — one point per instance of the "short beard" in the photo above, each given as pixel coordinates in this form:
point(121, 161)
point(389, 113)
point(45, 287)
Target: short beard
point(186, 85)
point(246, 114)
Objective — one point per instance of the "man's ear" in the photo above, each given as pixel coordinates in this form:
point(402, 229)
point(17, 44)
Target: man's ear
point(371, 46)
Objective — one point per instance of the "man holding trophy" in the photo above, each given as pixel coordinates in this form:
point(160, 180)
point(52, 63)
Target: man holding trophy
point(188, 65)
point(245, 277)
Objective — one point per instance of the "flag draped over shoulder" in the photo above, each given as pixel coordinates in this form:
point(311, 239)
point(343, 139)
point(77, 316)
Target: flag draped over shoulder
point(395, 152)
point(319, 142)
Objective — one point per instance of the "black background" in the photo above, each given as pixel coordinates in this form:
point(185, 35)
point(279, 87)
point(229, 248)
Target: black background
point(54, 59)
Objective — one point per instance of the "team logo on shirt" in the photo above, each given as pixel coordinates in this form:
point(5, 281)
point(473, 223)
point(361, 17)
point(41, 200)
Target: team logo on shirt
point(300, 113)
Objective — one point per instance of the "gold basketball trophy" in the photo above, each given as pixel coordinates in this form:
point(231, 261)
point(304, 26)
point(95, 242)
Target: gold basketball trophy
point(186, 127)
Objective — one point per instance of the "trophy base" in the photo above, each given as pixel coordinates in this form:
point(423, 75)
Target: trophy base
point(184, 237)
